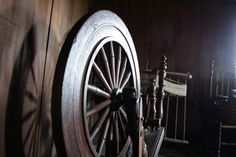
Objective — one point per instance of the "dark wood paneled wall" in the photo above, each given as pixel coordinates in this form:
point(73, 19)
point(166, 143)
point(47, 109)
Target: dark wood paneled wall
point(190, 32)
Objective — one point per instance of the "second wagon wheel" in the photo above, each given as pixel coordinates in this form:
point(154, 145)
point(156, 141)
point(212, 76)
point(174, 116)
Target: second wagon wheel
point(101, 63)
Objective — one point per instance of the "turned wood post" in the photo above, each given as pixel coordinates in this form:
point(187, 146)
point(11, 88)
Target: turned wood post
point(153, 100)
point(161, 93)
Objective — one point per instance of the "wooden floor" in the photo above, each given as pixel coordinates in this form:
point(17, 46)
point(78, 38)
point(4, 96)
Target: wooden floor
point(166, 152)
point(185, 152)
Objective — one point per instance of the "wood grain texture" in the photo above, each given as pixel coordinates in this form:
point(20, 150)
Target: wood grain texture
point(23, 30)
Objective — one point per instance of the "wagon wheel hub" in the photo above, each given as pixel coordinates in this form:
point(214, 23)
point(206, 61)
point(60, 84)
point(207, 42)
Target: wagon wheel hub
point(116, 99)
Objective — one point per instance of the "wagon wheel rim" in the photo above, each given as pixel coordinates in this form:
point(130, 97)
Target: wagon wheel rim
point(82, 77)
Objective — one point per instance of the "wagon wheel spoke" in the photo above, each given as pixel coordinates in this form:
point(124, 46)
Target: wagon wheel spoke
point(118, 65)
point(117, 134)
point(123, 71)
point(98, 107)
point(97, 91)
point(103, 137)
point(101, 77)
point(99, 123)
point(124, 115)
point(125, 80)
point(110, 139)
point(104, 56)
point(111, 134)
point(113, 63)
point(121, 127)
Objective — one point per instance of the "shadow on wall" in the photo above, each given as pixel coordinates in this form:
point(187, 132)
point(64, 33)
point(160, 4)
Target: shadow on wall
point(28, 124)
point(24, 121)
point(16, 97)
point(32, 118)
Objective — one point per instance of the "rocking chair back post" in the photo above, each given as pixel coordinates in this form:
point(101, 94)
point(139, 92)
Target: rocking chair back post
point(161, 93)
point(152, 105)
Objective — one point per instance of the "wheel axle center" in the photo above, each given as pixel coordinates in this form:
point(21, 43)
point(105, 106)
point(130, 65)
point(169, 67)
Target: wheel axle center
point(116, 99)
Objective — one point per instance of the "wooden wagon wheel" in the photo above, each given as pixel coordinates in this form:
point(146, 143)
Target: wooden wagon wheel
point(102, 61)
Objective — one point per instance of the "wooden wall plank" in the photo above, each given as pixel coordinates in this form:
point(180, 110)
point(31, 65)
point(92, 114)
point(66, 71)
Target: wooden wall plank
point(23, 30)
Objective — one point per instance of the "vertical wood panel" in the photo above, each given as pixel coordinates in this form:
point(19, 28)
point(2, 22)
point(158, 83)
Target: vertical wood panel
point(23, 31)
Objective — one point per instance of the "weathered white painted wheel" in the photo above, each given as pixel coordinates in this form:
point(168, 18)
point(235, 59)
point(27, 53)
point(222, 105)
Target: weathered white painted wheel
point(102, 61)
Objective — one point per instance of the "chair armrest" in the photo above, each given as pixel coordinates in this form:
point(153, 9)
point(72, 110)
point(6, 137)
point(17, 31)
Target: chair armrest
point(218, 99)
point(233, 93)
point(221, 97)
